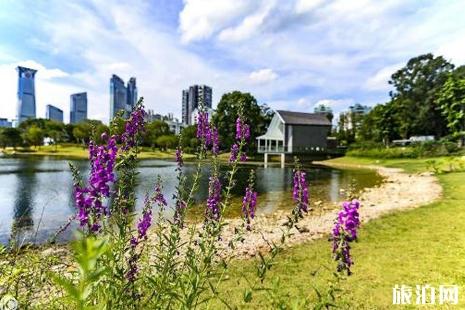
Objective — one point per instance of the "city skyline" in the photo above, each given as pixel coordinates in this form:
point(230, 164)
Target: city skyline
point(293, 55)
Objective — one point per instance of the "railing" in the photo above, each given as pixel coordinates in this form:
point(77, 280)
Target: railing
point(272, 149)
point(299, 150)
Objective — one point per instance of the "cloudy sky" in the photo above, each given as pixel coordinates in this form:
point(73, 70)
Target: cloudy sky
point(289, 54)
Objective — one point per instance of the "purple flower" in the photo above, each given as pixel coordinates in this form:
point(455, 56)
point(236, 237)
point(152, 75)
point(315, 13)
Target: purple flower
point(242, 130)
point(300, 191)
point(203, 128)
point(213, 211)
point(179, 158)
point(144, 224)
point(344, 232)
point(243, 157)
point(159, 198)
point(248, 205)
point(89, 199)
point(179, 213)
point(215, 141)
point(134, 126)
point(234, 153)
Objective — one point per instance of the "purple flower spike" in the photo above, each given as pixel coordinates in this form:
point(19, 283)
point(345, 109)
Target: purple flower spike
point(179, 158)
point(300, 191)
point(213, 211)
point(215, 141)
point(134, 126)
point(234, 153)
point(344, 232)
point(89, 199)
point(242, 130)
point(249, 203)
point(203, 128)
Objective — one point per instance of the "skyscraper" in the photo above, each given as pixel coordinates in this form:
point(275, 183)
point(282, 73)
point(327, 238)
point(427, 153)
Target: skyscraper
point(194, 97)
point(54, 113)
point(122, 98)
point(78, 108)
point(132, 92)
point(185, 106)
point(26, 94)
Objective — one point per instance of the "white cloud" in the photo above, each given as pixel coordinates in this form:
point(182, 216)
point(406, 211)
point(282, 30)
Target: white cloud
point(305, 6)
point(263, 76)
point(199, 19)
point(454, 50)
point(379, 81)
point(249, 26)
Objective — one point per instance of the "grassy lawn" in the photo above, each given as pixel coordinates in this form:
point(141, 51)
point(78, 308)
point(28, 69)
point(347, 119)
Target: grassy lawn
point(420, 246)
point(79, 152)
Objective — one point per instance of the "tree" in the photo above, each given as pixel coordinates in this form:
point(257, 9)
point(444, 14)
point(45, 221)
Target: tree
point(226, 115)
point(167, 142)
point(34, 136)
point(11, 137)
point(451, 99)
point(153, 131)
point(189, 141)
point(416, 86)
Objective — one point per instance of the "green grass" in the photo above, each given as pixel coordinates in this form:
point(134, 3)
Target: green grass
point(79, 152)
point(421, 246)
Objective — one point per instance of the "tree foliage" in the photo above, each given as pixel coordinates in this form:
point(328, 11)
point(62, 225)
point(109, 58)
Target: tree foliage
point(451, 100)
point(254, 114)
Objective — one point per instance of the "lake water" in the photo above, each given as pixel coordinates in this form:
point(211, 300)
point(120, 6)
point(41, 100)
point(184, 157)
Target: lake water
point(36, 195)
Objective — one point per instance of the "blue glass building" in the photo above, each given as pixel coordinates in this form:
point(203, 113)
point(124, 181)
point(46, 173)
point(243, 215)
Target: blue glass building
point(122, 98)
point(53, 113)
point(132, 92)
point(78, 108)
point(26, 94)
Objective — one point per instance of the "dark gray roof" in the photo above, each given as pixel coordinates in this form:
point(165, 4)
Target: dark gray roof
point(299, 118)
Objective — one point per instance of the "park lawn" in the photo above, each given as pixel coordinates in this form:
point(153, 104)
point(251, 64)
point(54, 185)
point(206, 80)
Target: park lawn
point(420, 246)
point(79, 152)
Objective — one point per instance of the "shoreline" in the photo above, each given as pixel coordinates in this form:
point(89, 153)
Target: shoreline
point(390, 196)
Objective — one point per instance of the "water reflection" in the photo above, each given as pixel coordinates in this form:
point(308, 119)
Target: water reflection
point(36, 194)
point(22, 215)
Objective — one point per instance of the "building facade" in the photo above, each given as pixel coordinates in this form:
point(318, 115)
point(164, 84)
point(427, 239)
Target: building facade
point(193, 98)
point(26, 107)
point(122, 98)
point(295, 133)
point(132, 92)
point(53, 113)
point(78, 108)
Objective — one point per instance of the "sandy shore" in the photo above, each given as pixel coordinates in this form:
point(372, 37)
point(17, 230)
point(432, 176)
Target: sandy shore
point(400, 191)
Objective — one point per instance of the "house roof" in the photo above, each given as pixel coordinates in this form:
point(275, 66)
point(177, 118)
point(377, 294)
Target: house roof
point(299, 118)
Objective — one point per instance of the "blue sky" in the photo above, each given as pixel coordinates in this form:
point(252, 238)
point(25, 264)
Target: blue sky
point(289, 54)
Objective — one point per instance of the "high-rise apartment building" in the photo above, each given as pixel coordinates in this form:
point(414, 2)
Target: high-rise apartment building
point(193, 98)
point(122, 98)
point(78, 108)
point(53, 113)
point(26, 94)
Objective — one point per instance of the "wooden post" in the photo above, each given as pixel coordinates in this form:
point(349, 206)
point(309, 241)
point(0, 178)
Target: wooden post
point(283, 160)
point(266, 159)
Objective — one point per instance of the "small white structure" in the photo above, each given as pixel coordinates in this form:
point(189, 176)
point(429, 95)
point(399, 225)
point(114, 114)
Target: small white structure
point(294, 133)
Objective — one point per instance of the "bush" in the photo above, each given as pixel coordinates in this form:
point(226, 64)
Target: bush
point(419, 150)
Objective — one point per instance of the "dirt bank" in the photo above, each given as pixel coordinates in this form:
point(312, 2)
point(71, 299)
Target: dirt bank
point(400, 191)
